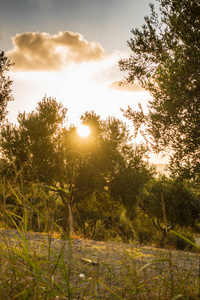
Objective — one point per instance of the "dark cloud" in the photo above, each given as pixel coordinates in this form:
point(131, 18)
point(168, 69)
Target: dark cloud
point(121, 86)
point(33, 51)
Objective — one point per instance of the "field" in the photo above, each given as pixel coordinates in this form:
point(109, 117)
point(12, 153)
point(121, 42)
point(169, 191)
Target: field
point(40, 266)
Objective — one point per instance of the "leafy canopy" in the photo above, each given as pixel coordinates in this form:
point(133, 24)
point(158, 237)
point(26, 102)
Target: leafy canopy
point(87, 173)
point(5, 85)
point(165, 60)
point(35, 145)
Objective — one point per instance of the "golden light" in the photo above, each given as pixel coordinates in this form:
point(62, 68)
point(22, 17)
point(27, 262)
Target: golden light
point(83, 130)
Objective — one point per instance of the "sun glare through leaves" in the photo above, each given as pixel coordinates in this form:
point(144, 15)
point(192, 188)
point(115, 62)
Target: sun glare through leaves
point(83, 130)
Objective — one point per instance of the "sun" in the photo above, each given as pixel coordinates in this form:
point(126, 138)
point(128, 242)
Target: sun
point(83, 130)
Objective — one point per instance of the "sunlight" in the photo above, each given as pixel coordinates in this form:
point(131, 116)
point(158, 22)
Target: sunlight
point(80, 87)
point(83, 130)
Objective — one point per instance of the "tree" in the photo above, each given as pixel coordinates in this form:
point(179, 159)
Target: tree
point(35, 144)
point(166, 62)
point(93, 176)
point(5, 85)
point(34, 148)
point(111, 172)
point(169, 203)
point(132, 174)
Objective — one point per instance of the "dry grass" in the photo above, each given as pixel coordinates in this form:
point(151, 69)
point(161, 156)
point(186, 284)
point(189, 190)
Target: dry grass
point(39, 266)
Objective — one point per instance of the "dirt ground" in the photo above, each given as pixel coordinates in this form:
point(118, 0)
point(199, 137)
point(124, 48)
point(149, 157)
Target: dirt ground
point(112, 262)
point(104, 251)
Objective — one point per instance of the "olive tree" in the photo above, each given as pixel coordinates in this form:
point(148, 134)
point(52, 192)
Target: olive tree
point(5, 84)
point(165, 60)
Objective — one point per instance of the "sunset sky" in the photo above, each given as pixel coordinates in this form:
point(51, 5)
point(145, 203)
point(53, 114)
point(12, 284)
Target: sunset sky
point(69, 49)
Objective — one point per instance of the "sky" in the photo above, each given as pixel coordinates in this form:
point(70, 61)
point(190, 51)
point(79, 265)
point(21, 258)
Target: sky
point(69, 50)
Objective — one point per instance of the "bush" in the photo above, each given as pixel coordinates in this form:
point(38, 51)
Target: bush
point(179, 243)
point(146, 233)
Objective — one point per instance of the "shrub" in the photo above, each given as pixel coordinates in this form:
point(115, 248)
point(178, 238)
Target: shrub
point(146, 233)
point(177, 242)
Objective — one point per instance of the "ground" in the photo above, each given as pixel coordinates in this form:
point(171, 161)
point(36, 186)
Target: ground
point(107, 269)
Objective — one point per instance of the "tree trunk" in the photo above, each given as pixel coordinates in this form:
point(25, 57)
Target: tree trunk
point(164, 235)
point(69, 222)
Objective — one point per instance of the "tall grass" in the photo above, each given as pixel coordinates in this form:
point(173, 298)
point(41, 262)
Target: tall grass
point(42, 266)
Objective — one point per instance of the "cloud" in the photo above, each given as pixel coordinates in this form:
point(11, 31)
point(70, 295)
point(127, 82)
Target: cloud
point(40, 51)
point(117, 85)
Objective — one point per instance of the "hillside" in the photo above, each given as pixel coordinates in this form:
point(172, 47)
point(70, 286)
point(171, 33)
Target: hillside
point(37, 265)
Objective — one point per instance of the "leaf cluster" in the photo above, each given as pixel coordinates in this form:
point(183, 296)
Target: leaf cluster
point(5, 85)
point(165, 60)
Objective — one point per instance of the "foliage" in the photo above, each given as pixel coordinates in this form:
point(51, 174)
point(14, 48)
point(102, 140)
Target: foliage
point(34, 145)
point(33, 149)
point(165, 60)
point(43, 266)
point(145, 231)
point(178, 242)
point(5, 85)
point(111, 174)
point(169, 203)
point(88, 174)
point(94, 185)
point(130, 178)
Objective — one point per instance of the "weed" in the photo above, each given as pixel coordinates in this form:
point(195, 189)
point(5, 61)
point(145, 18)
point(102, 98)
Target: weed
point(42, 266)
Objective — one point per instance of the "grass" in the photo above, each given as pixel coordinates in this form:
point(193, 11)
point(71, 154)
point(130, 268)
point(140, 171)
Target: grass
point(39, 266)
point(55, 267)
